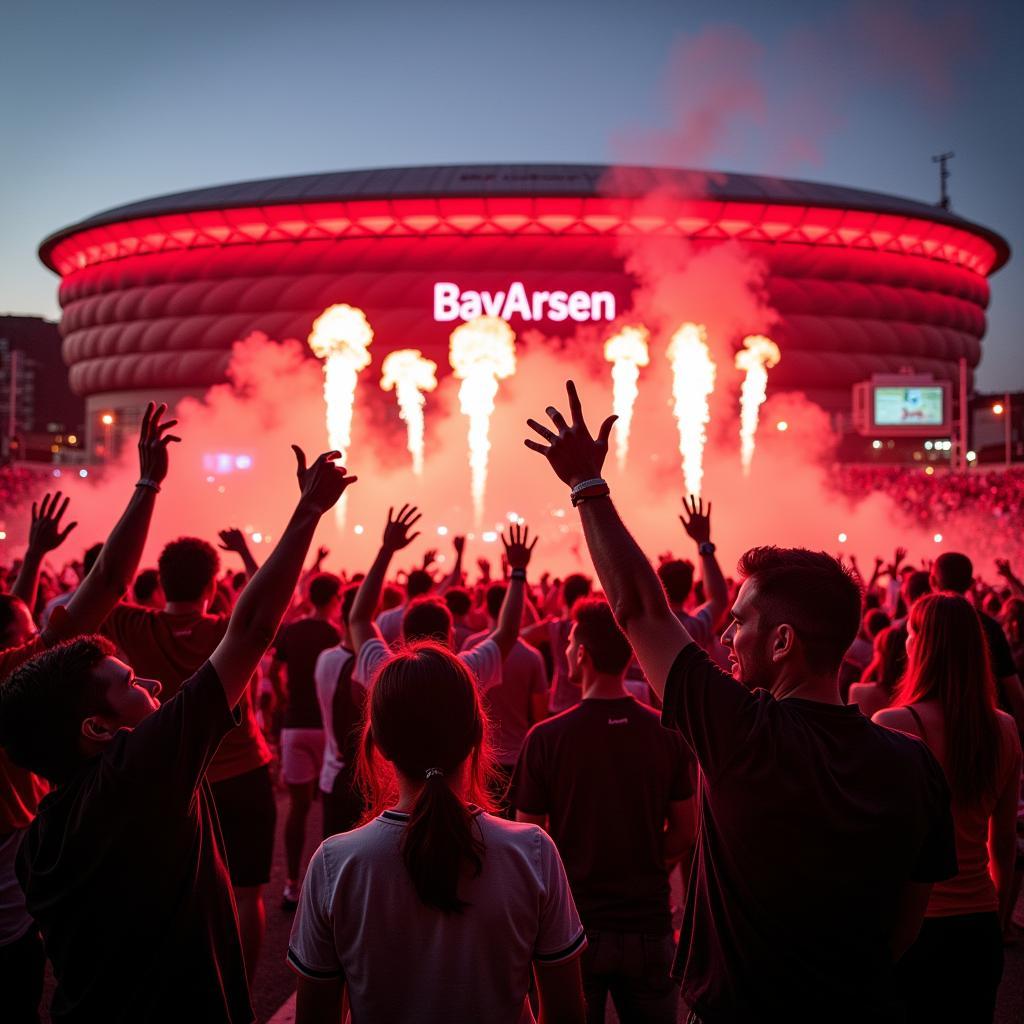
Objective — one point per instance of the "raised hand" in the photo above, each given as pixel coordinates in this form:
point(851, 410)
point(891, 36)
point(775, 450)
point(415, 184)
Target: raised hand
point(45, 533)
point(897, 560)
point(518, 548)
point(573, 453)
point(232, 539)
point(153, 442)
point(1004, 569)
point(323, 483)
point(696, 522)
point(396, 533)
point(459, 543)
point(322, 553)
point(485, 569)
point(429, 558)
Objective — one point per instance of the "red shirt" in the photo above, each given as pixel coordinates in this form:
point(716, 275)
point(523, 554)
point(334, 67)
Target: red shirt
point(171, 648)
point(21, 791)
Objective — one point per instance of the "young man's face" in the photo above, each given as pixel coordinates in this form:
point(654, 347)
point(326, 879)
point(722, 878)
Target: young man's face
point(130, 698)
point(748, 643)
point(22, 628)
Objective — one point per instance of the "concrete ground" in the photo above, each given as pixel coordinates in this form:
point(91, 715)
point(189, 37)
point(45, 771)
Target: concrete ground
point(274, 988)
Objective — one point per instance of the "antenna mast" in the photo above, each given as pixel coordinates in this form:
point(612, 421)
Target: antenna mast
point(942, 160)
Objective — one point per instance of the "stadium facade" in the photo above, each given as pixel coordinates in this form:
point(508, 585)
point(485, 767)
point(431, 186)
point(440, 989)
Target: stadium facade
point(154, 293)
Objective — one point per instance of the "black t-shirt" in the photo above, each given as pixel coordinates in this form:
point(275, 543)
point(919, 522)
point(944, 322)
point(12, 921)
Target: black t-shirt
point(998, 647)
point(298, 646)
point(604, 773)
point(812, 821)
point(124, 871)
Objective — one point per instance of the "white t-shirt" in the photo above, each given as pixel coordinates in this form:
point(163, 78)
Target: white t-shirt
point(390, 624)
point(325, 675)
point(484, 661)
point(360, 919)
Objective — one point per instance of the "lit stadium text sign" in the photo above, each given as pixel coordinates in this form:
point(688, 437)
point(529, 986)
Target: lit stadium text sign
point(453, 303)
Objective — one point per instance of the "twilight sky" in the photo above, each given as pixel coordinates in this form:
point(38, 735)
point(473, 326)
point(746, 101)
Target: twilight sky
point(117, 100)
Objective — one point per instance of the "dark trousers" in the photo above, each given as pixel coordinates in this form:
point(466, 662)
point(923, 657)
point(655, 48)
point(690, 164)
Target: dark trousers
point(22, 964)
point(343, 806)
point(953, 970)
point(634, 970)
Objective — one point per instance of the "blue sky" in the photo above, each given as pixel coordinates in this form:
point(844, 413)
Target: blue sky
point(108, 102)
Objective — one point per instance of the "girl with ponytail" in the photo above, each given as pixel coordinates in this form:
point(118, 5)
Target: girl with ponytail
point(947, 698)
point(434, 910)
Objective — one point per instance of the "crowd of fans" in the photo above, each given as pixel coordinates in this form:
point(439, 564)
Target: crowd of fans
point(988, 506)
point(511, 768)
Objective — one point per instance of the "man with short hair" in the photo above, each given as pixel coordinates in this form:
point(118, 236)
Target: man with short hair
point(123, 868)
point(171, 645)
point(607, 768)
point(429, 618)
point(821, 833)
point(111, 569)
point(954, 572)
point(146, 589)
point(519, 700)
point(302, 731)
point(419, 583)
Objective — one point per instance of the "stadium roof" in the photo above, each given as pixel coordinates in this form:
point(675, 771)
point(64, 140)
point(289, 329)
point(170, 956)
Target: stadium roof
point(521, 180)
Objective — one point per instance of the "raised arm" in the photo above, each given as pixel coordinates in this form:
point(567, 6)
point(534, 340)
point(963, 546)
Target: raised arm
point(1004, 569)
point(631, 584)
point(697, 524)
point(44, 535)
point(454, 578)
point(518, 550)
point(115, 568)
point(258, 613)
point(233, 539)
point(396, 537)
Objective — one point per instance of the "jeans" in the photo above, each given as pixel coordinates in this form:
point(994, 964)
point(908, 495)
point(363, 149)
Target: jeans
point(634, 970)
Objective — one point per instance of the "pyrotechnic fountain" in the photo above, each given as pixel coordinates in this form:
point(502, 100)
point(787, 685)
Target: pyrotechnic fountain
point(693, 380)
point(627, 352)
point(481, 353)
point(409, 375)
point(758, 355)
point(341, 336)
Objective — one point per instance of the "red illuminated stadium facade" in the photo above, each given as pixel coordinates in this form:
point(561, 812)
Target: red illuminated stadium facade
point(155, 293)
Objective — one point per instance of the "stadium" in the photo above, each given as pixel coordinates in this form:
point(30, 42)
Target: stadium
point(155, 293)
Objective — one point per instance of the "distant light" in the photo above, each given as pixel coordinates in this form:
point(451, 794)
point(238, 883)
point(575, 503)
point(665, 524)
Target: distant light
point(3, 535)
point(876, 444)
point(358, 529)
point(928, 446)
point(997, 408)
point(257, 538)
point(929, 470)
point(210, 479)
point(221, 489)
point(107, 418)
point(83, 473)
point(243, 462)
point(972, 456)
point(782, 426)
point(558, 513)
point(56, 472)
point(72, 439)
point(842, 538)
point(489, 536)
point(937, 538)
point(442, 531)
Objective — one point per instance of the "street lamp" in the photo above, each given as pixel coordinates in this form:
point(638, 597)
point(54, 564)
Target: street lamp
point(1005, 410)
point(107, 419)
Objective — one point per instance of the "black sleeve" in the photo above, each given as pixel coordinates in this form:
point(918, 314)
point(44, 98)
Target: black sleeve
point(1003, 664)
point(716, 715)
point(168, 753)
point(528, 791)
point(936, 861)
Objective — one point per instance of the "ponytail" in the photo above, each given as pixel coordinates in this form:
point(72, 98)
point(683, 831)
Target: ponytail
point(439, 843)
